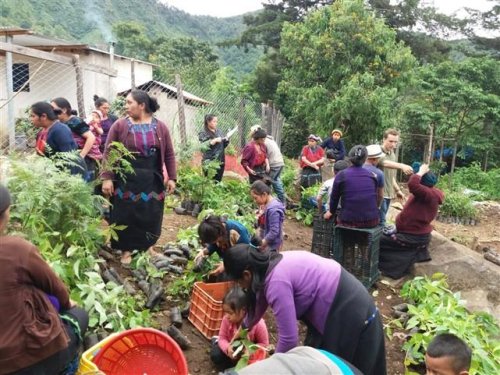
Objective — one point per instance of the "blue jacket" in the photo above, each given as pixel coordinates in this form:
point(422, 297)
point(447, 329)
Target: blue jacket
point(231, 225)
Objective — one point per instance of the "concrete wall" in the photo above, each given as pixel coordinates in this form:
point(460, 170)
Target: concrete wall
point(169, 113)
point(50, 80)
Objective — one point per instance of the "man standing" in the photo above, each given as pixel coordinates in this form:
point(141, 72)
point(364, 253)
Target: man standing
point(276, 164)
point(389, 166)
point(374, 155)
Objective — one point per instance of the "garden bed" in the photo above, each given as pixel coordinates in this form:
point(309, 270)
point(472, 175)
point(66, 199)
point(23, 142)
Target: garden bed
point(297, 237)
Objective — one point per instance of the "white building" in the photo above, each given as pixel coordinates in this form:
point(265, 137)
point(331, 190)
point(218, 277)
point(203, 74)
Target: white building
point(42, 68)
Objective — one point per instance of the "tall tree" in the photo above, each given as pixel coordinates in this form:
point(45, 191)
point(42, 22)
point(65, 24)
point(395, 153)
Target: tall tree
point(460, 101)
point(344, 67)
point(195, 61)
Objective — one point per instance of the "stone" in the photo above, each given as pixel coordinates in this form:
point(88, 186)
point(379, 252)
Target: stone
point(466, 271)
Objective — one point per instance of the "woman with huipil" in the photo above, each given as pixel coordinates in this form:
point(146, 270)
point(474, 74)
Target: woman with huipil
point(138, 198)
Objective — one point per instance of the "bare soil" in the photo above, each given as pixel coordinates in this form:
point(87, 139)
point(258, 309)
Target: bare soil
point(298, 236)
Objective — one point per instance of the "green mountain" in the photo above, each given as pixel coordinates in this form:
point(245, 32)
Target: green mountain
point(90, 21)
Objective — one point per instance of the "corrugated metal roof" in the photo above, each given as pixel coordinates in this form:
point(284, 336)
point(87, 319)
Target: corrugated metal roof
point(167, 88)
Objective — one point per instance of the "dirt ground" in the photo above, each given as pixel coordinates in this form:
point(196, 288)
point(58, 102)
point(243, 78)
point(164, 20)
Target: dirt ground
point(297, 237)
point(485, 234)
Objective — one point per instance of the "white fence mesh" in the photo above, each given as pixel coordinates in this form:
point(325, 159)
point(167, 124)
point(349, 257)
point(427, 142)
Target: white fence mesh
point(35, 79)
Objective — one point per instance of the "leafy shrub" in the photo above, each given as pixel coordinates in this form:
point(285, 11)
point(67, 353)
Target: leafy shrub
point(306, 210)
point(457, 205)
point(289, 177)
point(433, 309)
point(58, 213)
point(474, 178)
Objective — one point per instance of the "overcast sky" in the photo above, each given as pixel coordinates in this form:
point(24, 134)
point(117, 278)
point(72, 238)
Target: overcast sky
point(227, 8)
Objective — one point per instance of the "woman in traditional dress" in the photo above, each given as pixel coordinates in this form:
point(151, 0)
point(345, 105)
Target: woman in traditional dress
point(41, 328)
point(214, 144)
point(340, 314)
point(254, 157)
point(312, 158)
point(138, 198)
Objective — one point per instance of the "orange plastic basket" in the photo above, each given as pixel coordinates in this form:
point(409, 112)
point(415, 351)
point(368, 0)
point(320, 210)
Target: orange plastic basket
point(141, 351)
point(206, 310)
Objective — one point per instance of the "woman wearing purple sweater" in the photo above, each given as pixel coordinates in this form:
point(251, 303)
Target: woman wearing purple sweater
point(356, 188)
point(338, 311)
point(271, 216)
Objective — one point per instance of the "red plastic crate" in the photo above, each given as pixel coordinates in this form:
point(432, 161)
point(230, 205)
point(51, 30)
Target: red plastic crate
point(206, 311)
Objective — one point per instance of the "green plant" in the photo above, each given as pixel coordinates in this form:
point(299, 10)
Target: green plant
point(117, 162)
point(289, 177)
point(118, 106)
point(243, 344)
point(434, 309)
point(24, 126)
point(306, 210)
point(457, 204)
point(58, 213)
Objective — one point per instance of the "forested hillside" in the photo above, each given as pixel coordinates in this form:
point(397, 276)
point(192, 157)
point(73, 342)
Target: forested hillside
point(91, 21)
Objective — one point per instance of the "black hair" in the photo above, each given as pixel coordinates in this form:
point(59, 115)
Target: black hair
point(142, 97)
point(259, 133)
point(358, 155)
point(340, 166)
point(211, 228)
point(5, 200)
point(245, 257)
point(260, 187)
point(448, 345)
point(64, 105)
point(208, 117)
point(99, 101)
point(236, 299)
point(44, 108)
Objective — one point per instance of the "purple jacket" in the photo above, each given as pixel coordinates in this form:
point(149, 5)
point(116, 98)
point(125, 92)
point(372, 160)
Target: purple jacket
point(356, 189)
point(301, 286)
point(118, 133)
point(273, 229)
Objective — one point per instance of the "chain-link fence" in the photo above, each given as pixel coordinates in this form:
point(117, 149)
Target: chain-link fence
point(42, 76)
point(184, 110)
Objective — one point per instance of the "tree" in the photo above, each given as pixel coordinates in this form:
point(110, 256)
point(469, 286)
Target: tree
point(264, 28)
point(344, 67)
point(460, 101)
point(132, 40)
point(195, 61)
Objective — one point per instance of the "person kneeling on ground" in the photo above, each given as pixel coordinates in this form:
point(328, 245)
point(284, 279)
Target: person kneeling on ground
point(409, 244)
point(235, 306)
point(447, 355)
point(217, 236)
point(41, 328)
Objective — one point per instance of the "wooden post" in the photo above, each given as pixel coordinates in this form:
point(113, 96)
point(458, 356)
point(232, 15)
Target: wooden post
point(132, 74)
point(79, 86)
point(431, 136)
point(442, 150)
point(180, 104)
point(269, 117)
point(241, 123)
point(11, 122)
point(454, 159)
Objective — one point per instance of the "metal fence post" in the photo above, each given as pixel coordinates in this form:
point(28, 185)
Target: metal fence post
point(11, 123)
point(182, 115)
point(79, 86)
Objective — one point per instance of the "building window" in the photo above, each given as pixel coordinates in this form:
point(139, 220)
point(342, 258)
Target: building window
point(21, 75)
